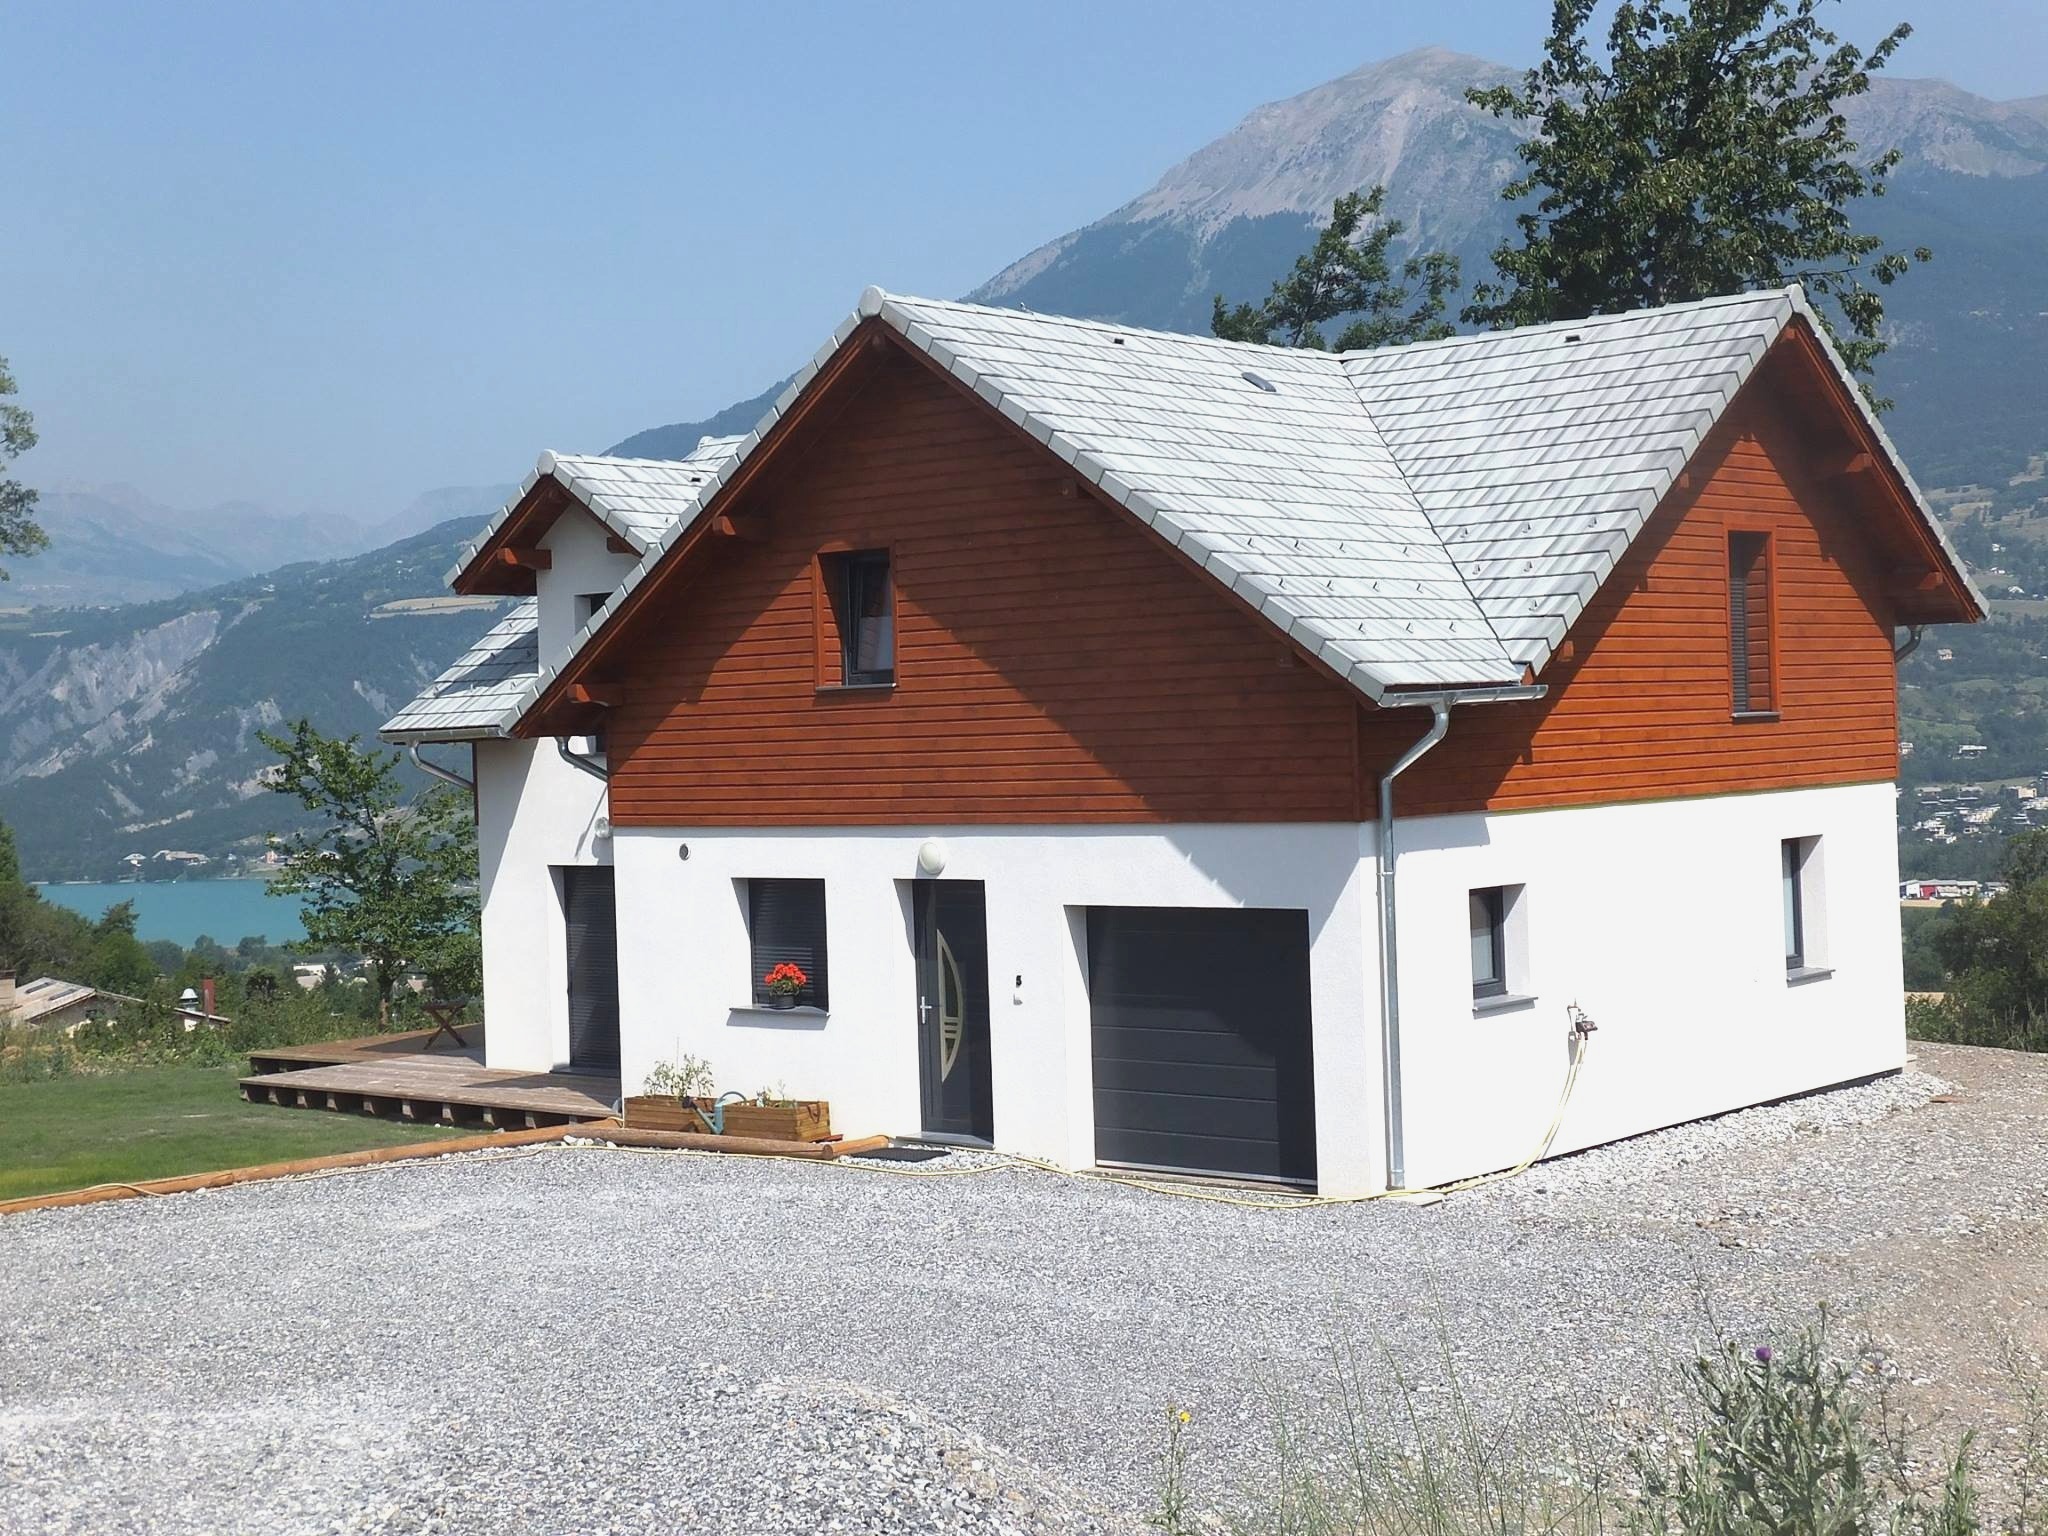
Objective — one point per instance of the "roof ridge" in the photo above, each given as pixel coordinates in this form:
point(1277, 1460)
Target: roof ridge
point(1610, 317)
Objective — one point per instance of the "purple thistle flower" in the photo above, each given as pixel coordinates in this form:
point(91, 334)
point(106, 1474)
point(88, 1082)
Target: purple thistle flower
point(1763, 1354)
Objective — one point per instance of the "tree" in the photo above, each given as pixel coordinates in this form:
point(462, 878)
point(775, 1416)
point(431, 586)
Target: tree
point(1346, 273)
point(1996, 955)
point(19, 534)
point(120, 961)
point(1704, 154)
point(392, 881)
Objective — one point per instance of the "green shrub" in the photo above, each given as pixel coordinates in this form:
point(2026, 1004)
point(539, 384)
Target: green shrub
point(1787, 1443)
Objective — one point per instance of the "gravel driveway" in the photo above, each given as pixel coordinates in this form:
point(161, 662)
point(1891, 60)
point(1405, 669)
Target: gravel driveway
point(582, 1340)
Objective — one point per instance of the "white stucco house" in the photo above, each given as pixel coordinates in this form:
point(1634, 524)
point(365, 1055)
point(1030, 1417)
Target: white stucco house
point(1064, 700)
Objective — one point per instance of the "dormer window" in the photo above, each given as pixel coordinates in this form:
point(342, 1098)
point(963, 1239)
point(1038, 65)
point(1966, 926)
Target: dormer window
point(863, 611)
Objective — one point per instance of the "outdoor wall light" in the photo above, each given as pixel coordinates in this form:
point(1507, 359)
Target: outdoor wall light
point(601, 828)
point(931, 857)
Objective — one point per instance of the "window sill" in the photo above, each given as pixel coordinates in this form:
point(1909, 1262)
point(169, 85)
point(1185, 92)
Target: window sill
point(1742, 716)
point(802, 1011)
point(1798, 974)
point(838, 688)
point(1502, 1003)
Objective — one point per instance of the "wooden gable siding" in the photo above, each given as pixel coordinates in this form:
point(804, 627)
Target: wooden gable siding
point(1640, 702)
point(1054, 661)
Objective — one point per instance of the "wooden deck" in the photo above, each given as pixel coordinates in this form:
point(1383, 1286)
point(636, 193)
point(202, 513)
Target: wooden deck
point(396, 1077)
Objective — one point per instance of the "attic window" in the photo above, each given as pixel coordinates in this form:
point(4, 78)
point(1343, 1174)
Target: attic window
point(862, 610)
point(1750, 661)
point(1259, 381)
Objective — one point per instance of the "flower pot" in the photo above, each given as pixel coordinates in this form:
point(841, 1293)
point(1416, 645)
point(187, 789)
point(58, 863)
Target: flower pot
point(781, 1002)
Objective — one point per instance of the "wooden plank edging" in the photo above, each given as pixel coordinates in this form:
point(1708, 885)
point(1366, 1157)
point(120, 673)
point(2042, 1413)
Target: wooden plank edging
point(691, 1141)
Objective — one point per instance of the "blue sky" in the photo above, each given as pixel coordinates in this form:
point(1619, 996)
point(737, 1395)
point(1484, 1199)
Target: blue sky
point(329, 256)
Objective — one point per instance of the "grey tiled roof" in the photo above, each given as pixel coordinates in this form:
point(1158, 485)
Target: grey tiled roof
point(1431, 516)
point(476, 696)
point(637, 499)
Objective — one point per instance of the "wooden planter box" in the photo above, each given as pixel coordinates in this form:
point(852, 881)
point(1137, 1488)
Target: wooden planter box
point(804, 1120)
point(666, 1112)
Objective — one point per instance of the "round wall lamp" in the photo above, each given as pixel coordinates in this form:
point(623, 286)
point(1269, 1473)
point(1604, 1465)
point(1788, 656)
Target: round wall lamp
point(931, 857)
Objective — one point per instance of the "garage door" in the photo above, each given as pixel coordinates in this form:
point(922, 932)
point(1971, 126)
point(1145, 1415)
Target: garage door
point(1202, 1048)
point(590, 916)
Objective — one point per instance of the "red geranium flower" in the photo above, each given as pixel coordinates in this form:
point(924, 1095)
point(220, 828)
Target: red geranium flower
point(786, 977)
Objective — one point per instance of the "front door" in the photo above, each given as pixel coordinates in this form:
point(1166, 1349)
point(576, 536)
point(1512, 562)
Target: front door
point(590, 916)
point(952, 1007)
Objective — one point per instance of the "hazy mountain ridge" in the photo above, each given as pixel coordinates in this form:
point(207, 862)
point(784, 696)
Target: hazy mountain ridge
point(113, 544)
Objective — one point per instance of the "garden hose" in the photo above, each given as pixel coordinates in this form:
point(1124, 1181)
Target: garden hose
point(1009, 1162)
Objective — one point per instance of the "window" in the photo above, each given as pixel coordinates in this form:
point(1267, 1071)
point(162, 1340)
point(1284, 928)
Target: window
point(1749, 623)
point(1803, 893)
point(786, 922)
point(1490, 942)
point(1795, 916)
point(587, 603)
point(864, 614)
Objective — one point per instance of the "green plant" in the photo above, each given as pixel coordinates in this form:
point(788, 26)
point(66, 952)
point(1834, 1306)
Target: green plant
point(1175, 1508)
point(688, 1077)
point(1769, 1443)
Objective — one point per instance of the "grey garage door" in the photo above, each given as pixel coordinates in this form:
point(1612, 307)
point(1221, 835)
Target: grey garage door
point(590, 914)
point(1201, 1040)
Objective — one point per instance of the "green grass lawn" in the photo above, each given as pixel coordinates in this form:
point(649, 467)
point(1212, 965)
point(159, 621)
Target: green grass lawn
point(158, 1122)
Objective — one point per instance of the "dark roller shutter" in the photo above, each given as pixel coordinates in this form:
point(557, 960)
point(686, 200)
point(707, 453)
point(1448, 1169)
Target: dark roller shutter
point(590, 914)
point(786, 919)
point(1202, 1050)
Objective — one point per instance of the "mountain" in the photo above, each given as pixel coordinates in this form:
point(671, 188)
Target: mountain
point(112, 544)
point(133, 729)
point(1970, 330)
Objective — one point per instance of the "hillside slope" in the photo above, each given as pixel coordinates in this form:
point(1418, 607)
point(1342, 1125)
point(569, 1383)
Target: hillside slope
point(134, 729)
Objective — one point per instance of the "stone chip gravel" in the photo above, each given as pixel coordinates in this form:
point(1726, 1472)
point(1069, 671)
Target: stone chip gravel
point(595, 1340)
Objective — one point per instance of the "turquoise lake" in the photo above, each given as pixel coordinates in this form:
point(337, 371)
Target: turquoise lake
point(226, 911)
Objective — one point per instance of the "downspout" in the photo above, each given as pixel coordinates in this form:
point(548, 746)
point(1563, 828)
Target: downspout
point(1390, 981)
point(589, 765)
point(1901, 652)
point(1440, 705)
point(445, 775)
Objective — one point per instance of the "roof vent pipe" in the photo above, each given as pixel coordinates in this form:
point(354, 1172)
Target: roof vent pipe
point(1390, 980)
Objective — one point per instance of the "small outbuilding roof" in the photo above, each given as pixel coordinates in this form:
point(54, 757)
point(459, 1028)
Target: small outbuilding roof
point(46, 995)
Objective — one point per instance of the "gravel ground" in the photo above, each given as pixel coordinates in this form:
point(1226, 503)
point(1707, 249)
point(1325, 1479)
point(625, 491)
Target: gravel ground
point(594, 1340)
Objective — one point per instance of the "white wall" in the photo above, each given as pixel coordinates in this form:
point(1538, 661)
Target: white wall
point(1663, 922)
point(534, 812)
point(685, 973)
point(580, 562)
